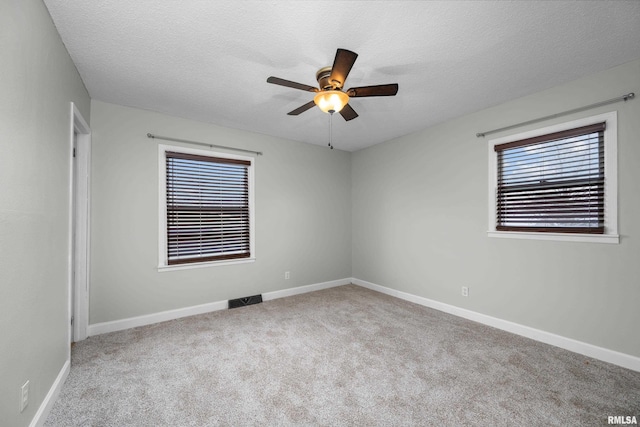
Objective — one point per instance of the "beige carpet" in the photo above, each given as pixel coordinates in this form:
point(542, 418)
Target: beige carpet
point(344, 356)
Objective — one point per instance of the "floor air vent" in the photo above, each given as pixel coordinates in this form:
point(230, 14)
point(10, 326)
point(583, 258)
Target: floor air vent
point(241, 302)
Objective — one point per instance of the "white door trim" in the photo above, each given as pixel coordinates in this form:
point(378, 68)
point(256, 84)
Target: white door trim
point(79, 259)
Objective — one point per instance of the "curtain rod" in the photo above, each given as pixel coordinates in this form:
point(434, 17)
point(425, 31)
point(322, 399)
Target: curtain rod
point(624, 98)
point(166, 138)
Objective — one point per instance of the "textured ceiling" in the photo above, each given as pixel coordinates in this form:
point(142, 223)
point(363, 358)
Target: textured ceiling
point(209, 60)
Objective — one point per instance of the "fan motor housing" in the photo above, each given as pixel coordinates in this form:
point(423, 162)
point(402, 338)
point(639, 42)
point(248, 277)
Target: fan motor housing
point(322, 76)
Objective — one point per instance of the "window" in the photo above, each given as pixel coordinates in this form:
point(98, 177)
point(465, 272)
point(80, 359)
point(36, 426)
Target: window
point(556, 183)
point(206, 207)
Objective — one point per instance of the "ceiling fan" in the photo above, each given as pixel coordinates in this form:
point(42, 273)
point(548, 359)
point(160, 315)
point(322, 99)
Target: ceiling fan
point(330, 97)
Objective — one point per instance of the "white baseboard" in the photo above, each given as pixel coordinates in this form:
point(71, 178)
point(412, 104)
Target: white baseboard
point(149, 319)
point(606, 355)
point(163, 316)
point(304, 289)
point(43, 411)
point(589, 350)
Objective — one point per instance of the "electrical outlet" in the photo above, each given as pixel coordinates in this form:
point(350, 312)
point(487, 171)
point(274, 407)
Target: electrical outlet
point(465, 291)
point(287, 276)
point(24, 396)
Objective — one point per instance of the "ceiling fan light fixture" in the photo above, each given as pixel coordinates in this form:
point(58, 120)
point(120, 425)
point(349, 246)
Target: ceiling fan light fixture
point(329, 95)
point(331, 100)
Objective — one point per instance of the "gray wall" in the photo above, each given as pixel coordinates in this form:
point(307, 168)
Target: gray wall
point(420, 222)
point(38, 80)
point(303, 217)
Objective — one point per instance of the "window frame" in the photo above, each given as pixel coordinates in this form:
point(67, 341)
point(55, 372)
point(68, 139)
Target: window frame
point(610, 234)
point(163, 264)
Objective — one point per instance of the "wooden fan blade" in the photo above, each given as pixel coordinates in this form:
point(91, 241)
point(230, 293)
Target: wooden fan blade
point(302, 109)
point(378, 90)
point(341, 66)
point(348, 113)
point(289, 83)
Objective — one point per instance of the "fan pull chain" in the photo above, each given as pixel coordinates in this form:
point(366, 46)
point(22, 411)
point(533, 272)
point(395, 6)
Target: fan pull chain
point(331, 128)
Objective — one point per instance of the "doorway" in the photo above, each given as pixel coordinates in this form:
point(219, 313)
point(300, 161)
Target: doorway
point(79, 199)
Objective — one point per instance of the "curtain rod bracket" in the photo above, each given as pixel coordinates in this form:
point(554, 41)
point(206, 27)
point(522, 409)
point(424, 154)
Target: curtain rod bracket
point(624, 98)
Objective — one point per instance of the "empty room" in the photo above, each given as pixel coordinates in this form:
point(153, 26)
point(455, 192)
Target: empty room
point(319, 213)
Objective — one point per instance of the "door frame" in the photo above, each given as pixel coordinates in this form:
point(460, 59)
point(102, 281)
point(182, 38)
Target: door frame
point(79, 241)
